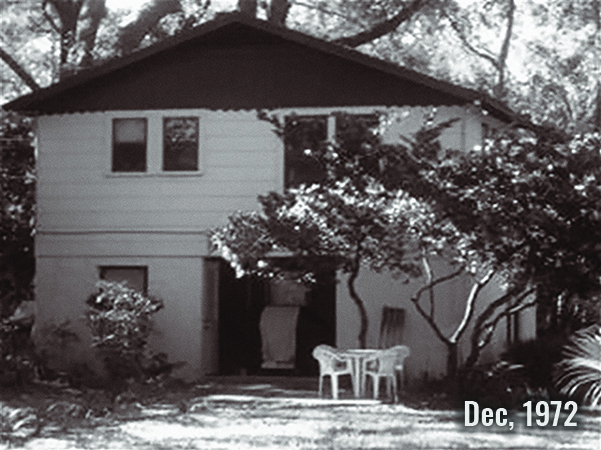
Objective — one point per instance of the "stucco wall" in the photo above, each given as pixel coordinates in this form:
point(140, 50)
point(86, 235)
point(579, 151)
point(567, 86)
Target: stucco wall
point(428, 353)
point(90, 217)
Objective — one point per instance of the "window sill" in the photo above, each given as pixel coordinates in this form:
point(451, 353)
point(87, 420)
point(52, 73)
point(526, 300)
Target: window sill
point(152, 174)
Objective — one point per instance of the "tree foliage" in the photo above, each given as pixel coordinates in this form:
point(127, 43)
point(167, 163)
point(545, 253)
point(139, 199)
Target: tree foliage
point(524, 209)
point(17, 212)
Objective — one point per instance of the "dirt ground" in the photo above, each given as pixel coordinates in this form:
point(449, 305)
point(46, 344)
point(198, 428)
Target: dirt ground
point(260, 412)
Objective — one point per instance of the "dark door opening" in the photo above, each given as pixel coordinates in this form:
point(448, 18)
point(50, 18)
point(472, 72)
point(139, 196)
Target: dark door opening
point(241, 302)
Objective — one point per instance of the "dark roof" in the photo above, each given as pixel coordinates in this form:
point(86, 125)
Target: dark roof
point(377, 81)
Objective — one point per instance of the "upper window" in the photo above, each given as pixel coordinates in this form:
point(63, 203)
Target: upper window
point(129, 145)
point(302, 136)
point(180, 143)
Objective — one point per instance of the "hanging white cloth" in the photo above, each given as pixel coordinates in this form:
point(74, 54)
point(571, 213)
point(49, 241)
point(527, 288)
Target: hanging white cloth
point(278, 336)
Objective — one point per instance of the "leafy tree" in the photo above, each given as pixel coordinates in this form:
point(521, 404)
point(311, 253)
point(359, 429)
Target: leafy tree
point(523, 210)
point(354, 219)
point(345, 220)
point(17, 212)
point(531, 205)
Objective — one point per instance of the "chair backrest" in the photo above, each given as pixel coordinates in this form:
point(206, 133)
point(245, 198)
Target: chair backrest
point(391, 327)
point(401, 352)
point(328, 357)
point(387, 361)
point(323, 351)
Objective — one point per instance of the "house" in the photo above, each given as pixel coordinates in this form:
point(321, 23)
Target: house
point(138, 158)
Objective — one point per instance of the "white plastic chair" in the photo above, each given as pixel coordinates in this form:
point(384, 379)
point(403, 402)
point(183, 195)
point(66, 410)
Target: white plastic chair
point(333, 364)
point(402, 352)
point(385, 364)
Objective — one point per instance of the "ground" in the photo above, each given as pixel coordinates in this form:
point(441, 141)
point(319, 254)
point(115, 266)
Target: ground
point(255, 412)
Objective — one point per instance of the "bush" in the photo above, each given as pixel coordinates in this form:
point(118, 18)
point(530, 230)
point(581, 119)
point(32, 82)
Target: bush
point(121, 321)
point(538, 357)
point(524, 373)
point(16, 356)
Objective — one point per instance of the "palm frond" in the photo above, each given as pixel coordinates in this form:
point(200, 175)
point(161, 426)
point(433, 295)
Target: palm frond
point(579, 373)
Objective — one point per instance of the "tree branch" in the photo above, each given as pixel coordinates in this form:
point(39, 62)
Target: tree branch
point(149, 16)
point(461, 35)
point(491, 325)
point(429, 286)
point(482, 322)
point(19, 70)
point(502, 60)
point(469, 306)
point(49, 18)
point(324, 10)
point(434, 283)
point(95, 12)
point(382, 28)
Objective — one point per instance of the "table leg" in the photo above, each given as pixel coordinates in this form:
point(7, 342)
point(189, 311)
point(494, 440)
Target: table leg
point(357, 370)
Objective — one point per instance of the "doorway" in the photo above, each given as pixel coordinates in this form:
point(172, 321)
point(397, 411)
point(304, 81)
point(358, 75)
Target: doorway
point(241, 303)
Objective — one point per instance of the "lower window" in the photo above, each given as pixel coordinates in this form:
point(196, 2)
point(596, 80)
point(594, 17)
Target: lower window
point(136, 277)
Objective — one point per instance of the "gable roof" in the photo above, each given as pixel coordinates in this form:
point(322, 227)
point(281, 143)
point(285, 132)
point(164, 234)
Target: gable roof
point(224, 63)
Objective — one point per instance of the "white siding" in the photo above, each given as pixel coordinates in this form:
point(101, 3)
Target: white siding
point(78, 192)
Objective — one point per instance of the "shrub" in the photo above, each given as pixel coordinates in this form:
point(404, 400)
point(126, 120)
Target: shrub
point(538, 357)
point(579, 373)
point(16, 357)
point(121, 321)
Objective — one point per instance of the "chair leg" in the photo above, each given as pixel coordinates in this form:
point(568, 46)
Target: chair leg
point(394, 388)
point(376, 386)
point(388, 387)
point(334, 379)
point(402, 377)
point(321, 385)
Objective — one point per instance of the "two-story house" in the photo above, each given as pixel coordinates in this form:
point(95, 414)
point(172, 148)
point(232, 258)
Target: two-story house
point(138, 158)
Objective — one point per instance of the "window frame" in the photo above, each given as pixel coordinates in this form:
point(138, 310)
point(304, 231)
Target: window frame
point(330, 115)
point(103, 268)
point(165, 118)
point(154, 142)
point(114, 142)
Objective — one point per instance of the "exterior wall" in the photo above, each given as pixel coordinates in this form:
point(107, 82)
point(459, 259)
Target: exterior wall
point(90, 217)
point(428, 353)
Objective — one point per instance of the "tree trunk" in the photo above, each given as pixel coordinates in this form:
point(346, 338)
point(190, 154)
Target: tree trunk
point(452, 359)
point(278, 12)
point(499, 89)
point(94, 13)
point(597, 116)
point(68, 12)
point(132, 35)
point(384, 27)
point(478, 342)
point(360, 306)
point(248, 7)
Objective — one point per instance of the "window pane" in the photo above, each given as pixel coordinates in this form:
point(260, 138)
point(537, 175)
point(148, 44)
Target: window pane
point(303, 135)
point(129, 145)
point(180, 143)
point(356, 128)
point(135, 277)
